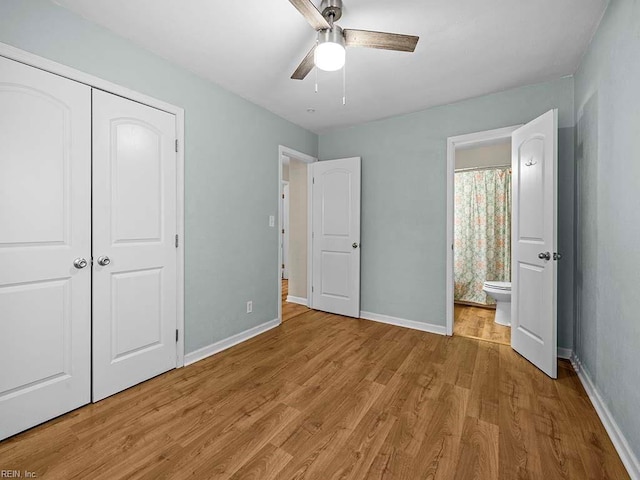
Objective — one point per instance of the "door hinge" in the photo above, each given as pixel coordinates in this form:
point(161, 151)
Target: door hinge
point(283, 231)
point(176, 334)
point(313, 180)
point(176, 145)
point(283, 195)
point(177, 241)
point(311, 288)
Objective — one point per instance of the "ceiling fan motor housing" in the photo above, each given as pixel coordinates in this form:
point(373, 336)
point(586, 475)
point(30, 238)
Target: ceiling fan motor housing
point(335, 35)
point(331, 7)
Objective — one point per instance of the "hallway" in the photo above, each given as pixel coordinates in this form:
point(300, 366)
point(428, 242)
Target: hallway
point(290, 310)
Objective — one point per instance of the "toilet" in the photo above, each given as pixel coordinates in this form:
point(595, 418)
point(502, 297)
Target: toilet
point(501, 292)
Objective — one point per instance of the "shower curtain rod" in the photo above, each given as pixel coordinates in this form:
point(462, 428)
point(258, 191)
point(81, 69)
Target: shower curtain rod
point(472, 169)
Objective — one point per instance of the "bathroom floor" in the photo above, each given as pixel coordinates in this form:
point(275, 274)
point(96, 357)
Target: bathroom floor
point(477, 322)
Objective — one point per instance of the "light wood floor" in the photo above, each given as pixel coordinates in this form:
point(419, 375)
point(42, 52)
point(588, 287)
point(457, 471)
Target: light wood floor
point(327, 397)
point(478, 323)
point(290, 310)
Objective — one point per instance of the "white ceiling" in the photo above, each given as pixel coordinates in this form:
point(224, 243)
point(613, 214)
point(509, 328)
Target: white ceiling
point(467, 48)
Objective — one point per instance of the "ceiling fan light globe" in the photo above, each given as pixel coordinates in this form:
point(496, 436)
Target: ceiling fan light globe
point(329, 56)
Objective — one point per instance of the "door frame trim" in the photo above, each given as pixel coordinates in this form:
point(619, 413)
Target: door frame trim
point(284, 151)
point(285, 184)
point(452, 144)
point(41, 63)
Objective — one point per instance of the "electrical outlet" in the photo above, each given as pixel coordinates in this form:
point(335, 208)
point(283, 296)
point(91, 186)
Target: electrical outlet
point(249, 306)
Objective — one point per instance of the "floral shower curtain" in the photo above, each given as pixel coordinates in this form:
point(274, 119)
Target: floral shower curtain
point(482, 232)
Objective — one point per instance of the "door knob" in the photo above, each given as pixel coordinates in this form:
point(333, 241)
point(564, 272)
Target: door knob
point(79, 263)
point(355, 245)
point(544, 256)
point(104, 260)
point(557, 256)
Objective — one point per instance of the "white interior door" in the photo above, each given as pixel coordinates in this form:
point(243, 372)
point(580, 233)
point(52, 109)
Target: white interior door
point(336, 236)
point(134, 226)
point(534, 244)
point(45, 303)
point(285, 231)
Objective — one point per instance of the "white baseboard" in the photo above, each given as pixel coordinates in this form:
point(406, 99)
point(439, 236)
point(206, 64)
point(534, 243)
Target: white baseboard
point(620, 443)
point(401, 322)
point(217, 347)
point(565, 353)
point(298, 300)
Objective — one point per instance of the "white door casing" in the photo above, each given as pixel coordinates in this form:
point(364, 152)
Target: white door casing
point(453, 143)
point(336, 236)
point(134, 225)
point(45, 302)
point(285, 231)
point(534, 235)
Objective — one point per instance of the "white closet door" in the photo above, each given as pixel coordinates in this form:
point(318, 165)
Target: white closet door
point(134, 226)
point(45, 182)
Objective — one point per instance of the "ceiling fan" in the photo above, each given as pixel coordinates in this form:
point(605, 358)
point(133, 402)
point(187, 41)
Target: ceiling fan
point(329, 52)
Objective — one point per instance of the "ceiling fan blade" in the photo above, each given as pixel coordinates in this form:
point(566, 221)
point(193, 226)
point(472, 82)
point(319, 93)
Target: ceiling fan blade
point(311, 14)
point(383, 40)
point(305, 66)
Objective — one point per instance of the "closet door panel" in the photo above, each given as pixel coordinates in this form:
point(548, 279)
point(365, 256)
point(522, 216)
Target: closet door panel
point(134, 225)
point(45, 188)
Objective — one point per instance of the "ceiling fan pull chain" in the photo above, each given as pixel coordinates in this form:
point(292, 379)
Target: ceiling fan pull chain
point(316, 69)
point(344, 84)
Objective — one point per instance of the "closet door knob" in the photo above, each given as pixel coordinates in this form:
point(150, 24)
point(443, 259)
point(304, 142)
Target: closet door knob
point(104, 260)
point(544, 256)
point(79, 263)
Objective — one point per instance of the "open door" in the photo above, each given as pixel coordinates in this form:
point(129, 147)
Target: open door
point(534, 242)
point(336, 236)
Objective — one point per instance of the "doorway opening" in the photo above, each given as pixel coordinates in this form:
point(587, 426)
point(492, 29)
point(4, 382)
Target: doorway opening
point(479, 234)
point(294, 259)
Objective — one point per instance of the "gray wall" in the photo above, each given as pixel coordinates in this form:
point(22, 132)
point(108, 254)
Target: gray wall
point(607, 100)
point(404, 197)
point(231, 157)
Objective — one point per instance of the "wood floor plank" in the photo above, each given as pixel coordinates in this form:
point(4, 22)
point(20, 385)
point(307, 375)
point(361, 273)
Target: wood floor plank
point(556, 442)
point(479, 323)
point(459, 362)
point(439, 451)
point(324, 397)
point(484, 398)
point(264, 465)
point(478, 455)
point(519, 456)
point(224, 461)
point(361, 447)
